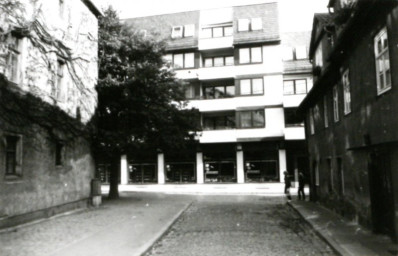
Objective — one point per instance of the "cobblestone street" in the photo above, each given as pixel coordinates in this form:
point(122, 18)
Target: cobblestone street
point(209, 225)
point(240, 225)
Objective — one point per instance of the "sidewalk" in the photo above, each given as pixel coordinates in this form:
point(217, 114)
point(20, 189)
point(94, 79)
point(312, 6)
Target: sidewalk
point(261, 189)
point(344, 237)
point(128, 226)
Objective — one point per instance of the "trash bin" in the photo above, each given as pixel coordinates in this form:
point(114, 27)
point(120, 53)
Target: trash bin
point(96, 192)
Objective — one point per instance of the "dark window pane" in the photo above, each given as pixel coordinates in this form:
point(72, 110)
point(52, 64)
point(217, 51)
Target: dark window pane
point(230, 91)
point(219, 92)
point(245, 119)
point(209, 92)
point(258, 118)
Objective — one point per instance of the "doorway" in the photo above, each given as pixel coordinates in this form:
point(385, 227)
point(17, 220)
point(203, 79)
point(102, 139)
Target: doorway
point(381, 193)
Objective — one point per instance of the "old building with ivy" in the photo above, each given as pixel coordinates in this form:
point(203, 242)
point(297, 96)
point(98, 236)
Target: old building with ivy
point(48, 73)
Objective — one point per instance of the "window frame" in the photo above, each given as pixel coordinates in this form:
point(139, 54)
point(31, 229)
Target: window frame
point(251, 86)
point(239, 113)
point(325, 111)
point(381, 88)
point(312, 121)
point(14, 54)
point(183, 60)
point(212, 61)
point(18, 151)
point(336, 114)
point(224, 34)
point(251, 55)
point(205, 96)
point(345, 79)
point(175, 33)
point(213, 118)
point(294, 86)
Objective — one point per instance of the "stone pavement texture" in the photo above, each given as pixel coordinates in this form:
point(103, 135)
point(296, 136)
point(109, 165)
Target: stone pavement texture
point(240, 226)
point(128, 226)
point(344, 237)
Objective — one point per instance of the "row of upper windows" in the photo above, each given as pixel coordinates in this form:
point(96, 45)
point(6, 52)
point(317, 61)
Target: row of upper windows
point(187, 60)
point(315, 112)
point(383, 81)
point(232, 120)
point(245, 87)
point(13, 155)
point(253, 24)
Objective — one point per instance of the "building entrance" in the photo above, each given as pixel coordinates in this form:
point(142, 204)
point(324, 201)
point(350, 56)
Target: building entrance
point(180, 172)
point(220, 171)
point(142, 173)
point(381, 193)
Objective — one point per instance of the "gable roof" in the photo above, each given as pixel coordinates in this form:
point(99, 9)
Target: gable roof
point(321, 20)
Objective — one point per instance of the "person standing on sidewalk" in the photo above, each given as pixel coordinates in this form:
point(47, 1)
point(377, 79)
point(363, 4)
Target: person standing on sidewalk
point(301, 184)
point(287, 185)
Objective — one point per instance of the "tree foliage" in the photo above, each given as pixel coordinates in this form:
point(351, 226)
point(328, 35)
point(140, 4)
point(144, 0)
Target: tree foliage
point(140, 102)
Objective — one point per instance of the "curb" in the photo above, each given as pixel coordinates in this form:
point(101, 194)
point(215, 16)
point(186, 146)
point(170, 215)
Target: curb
point(327, 239)
point(148, 245)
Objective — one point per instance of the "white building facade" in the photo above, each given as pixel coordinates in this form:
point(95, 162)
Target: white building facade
point(231, 60)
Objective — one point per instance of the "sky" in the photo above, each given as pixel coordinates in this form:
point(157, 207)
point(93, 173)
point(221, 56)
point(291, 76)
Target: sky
point(296, 15)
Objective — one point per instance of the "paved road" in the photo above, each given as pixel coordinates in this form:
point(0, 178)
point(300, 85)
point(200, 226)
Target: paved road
point(239, 225)
point(210, 225)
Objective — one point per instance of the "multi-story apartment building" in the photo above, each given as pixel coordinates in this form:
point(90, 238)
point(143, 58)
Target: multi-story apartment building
point(231, 62)
point(48, 72)
point(350, 114)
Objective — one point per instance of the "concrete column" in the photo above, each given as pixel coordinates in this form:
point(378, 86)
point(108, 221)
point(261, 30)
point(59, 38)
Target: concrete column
point(161, 177)
point(199, 168)
point(282, 163)
point(240, 170)
point(124, 170)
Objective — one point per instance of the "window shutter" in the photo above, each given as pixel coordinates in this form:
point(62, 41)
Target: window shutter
point(189, 30)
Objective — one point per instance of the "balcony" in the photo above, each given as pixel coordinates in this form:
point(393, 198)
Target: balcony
point(235, 135)
point(294, 133)
point(215, 43)
point(293, 101)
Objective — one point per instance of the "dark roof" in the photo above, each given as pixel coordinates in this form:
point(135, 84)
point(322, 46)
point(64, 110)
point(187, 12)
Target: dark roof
point(320, 21)
point(161, 25)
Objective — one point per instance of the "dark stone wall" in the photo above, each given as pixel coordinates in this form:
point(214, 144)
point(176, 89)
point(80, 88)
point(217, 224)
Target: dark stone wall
point(42, 184)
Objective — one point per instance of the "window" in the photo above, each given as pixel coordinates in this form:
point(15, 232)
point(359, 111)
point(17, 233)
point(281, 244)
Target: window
point(325, 112)
point(336, 104)
point(61, 86)
point(347, 94)
point(319, 56)
point(221, 31)
point(252, 86)
point(59, 154)
point(189, 91)
point(316, 170)
point(176, 32)
point(256, 24)
point(301, 52)
point(13, 155)
point(189, 30)
point(340, 175)
point(312, 124)
point(298, 86)
point(218, 61)
point(243, 25)
point(252, 24)
point(251, 119)
point(291, 118)
point(383, 71)
point(220, 91)
point(219, 121)
point(13, 60)
point(181, 60)
point(250, 55)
